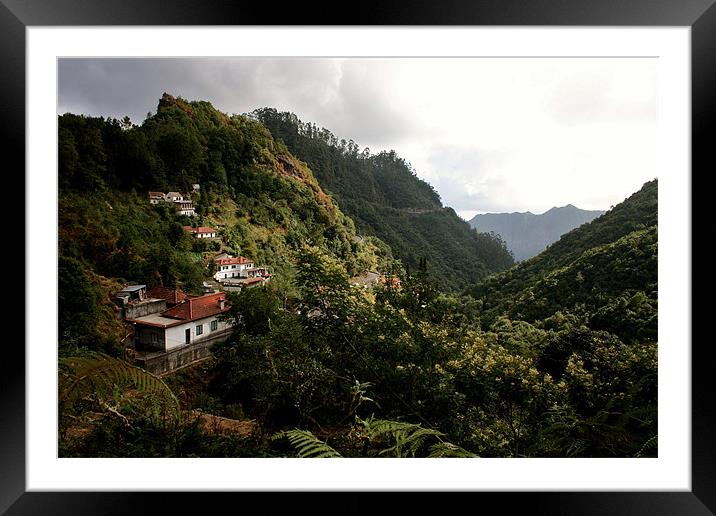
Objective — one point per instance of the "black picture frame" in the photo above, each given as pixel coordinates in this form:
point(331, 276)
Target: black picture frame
point(699, 15)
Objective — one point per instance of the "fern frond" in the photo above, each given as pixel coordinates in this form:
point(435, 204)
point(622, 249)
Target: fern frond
point(408, 438)
point(307, 445)
point(445, 450)
point(100, 375)
point(650, 444)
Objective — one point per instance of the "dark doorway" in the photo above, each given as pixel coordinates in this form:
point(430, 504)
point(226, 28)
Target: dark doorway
point(187, 335)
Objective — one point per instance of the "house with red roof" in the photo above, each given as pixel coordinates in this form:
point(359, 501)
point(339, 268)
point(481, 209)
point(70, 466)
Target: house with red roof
point(202, 232)
point(189, 321)
point(232, 267)
point(172, 296)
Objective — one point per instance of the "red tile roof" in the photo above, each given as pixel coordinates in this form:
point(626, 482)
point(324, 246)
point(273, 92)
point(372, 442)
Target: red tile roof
point(156, 194)
point(200, 229)
point(233, 261)
point(194, 308)
point(172, 296)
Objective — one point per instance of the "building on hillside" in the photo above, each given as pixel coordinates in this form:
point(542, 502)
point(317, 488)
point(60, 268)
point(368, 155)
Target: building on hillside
point(207, 288)
point(156, 197)
point(173, 196)
point(256, 272)
point(232, 267)
point(181, 206)
point(202, 232)
point(238, 284)
point(184, 207)
point(195, 187)
point(131, 293)
point(172, 296)
point(193, 320)
point(366, 280)
point(136, 301)
point(370, 279)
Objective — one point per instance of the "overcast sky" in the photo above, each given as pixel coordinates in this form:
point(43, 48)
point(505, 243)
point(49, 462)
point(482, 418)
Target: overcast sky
point(491, 135)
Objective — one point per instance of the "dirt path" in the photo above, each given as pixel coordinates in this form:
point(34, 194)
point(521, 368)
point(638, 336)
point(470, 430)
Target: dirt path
point(222, 425)
point(419, 211)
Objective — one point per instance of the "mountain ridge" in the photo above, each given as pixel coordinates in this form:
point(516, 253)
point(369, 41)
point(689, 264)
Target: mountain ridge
point(385, 198)
point(600, 267)
point(526, 234)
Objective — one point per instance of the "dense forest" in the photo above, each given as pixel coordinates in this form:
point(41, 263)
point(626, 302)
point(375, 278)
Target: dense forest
point(555, 357)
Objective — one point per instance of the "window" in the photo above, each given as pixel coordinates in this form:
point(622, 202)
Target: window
point(214, 325)
point(233, 266)
point(199, 329)
point(155, 338)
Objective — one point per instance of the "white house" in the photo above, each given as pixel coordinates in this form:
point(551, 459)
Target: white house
point(194, 320)
point(173, 196)
point(156, 197)
point(184, 207)
point(256, 272)
point(232, 267)
point(202, 232)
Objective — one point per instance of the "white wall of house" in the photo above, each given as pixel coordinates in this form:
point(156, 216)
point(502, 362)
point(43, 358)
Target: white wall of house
point(234, 270)
point(175, 336)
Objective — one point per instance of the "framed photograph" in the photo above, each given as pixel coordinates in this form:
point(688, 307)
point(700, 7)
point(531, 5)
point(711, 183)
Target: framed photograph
point(415, 324)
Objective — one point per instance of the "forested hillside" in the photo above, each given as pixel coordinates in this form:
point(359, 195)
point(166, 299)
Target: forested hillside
point(555, 357)
point(386, 199)
point(268, 205)
point(604, 271)
point(527, 234)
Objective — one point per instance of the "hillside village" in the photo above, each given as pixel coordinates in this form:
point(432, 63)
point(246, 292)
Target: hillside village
point(182, 205)
point(169, 329)
point(452, 354)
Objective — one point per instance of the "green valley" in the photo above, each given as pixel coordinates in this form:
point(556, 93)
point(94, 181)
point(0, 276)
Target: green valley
point(368, 321)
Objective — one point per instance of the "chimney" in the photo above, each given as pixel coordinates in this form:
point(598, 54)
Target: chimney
point(221, 303)
point(190, 314)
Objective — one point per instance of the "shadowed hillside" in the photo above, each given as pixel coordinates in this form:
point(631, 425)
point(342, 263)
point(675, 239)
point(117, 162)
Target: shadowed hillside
point(385, 198)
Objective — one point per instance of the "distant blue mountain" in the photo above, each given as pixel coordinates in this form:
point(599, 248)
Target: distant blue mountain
point(527, 234)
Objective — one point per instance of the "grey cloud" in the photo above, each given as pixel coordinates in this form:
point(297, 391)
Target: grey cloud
point(364, 110)
point(343, 96)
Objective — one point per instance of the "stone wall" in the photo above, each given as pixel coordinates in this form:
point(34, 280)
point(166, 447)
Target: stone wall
point(151, 306)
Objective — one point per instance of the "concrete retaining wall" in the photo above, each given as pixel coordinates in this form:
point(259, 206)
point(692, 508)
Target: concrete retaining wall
point(164, 363)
